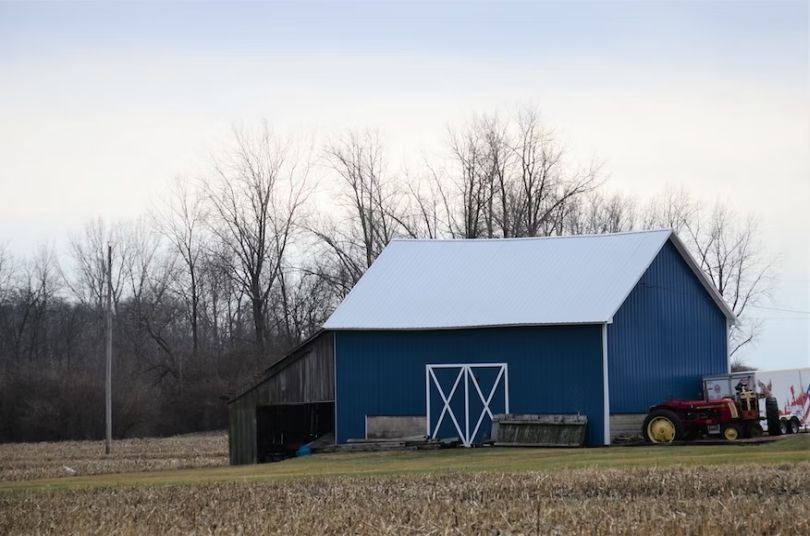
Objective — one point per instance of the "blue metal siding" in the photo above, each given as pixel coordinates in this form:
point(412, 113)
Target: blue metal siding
point(665, 337)
point(551, 370)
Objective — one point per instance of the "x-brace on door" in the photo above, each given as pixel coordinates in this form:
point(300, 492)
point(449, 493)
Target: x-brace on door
point(464, 381)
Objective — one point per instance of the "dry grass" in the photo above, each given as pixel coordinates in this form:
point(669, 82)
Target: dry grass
point(29, 461)
point(676, 500)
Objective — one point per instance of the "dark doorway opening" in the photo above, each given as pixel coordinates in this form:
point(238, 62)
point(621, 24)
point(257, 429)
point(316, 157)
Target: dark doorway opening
point(282, 429)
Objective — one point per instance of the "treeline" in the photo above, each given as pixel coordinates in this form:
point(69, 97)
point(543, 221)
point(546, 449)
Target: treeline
point(231, 269)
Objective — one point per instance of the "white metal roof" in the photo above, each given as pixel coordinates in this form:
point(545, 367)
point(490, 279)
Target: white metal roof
point(442, 284)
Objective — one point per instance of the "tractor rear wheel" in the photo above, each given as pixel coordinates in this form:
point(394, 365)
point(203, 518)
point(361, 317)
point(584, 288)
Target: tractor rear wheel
point(732, 431)
point(772, 415)
point(662, 426)
point(786, 428)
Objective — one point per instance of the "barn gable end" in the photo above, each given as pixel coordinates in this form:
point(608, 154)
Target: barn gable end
point(667, 334)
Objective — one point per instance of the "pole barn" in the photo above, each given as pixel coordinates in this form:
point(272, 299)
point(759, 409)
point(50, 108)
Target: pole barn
point(439, 335)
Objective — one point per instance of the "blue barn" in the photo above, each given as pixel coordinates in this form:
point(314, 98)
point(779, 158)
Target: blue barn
point(439, 335)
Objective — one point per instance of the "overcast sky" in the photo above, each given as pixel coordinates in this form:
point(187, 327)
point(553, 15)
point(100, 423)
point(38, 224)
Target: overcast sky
point(102, 104)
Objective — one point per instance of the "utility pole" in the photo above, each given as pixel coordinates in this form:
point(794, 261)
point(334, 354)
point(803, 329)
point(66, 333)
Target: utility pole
point(108, 442)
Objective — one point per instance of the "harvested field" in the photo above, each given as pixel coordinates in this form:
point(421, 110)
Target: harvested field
point(695, 489)
point(678, 500)
point(28, 461)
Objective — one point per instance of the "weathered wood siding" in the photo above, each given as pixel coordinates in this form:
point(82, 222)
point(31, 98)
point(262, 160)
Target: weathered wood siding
point(305, 375)
point(309, 378)
point(242, 431)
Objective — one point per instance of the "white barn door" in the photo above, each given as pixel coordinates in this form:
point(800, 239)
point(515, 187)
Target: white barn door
point(463, 398)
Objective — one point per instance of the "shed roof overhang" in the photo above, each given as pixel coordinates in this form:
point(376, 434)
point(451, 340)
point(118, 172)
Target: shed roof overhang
point(288, 359)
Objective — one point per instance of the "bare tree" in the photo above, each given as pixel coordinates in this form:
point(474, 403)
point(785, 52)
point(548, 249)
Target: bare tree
point(358, 160)
point(728, 251)
point(180, 219)
point(672, 209)
point(7, 270)
point(424, 214)
point(511, 179)
point(36, 289)
point(256, 195)
point(7, 310)
point(222, 298)
point(149, 271)
point(545, 184)
point(88, 251)
point(87, 275)
point(597, 213)
point(473, 181)
point(306, 300)
point(372, 217)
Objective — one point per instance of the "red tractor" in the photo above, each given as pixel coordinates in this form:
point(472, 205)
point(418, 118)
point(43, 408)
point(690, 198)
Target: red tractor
point(679, 420)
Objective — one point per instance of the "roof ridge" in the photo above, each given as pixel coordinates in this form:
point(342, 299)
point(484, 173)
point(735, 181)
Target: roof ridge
point(532, 238)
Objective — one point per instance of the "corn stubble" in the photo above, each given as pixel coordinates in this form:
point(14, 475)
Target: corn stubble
point(700, 500)
point(30, 461)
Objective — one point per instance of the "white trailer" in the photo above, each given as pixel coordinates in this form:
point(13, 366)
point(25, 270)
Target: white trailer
point(790, 388)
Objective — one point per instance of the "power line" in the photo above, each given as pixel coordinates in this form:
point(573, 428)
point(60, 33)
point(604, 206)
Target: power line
point(780, 309)
point(797, 311)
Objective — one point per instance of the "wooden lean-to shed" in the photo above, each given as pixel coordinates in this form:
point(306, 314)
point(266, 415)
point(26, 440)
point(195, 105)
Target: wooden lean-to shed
point(292, 404)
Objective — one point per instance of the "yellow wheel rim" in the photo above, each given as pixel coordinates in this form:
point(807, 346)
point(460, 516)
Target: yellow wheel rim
point(731, 433)
point(661, 430)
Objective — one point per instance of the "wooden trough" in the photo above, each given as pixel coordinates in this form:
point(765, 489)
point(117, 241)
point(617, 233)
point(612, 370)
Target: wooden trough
point(532, 430)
